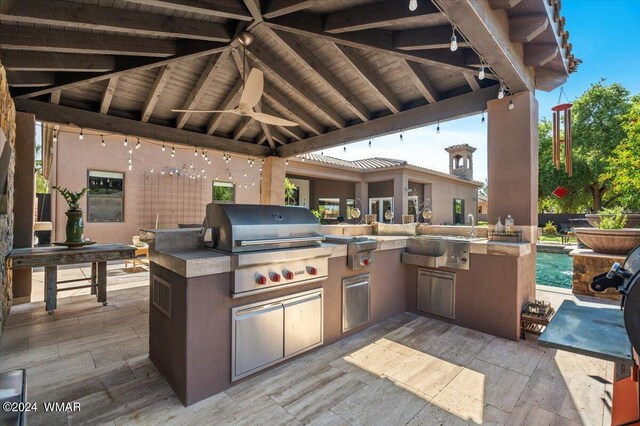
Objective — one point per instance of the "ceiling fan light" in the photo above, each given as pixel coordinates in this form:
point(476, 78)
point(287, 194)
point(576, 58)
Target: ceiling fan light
point(245, 38)
point(413, 5)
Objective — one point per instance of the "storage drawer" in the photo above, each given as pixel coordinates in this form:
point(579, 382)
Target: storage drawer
point(356, 306)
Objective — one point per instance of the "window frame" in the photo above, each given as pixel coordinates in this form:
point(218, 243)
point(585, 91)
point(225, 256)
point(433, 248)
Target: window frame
point(462, 211)
point(124, 207)
point(337, 204)
point(223, 183)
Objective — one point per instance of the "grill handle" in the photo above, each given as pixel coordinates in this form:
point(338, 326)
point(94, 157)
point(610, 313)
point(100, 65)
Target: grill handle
point(313, 238)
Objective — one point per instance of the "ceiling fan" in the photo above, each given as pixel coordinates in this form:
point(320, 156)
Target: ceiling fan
point(251, 94)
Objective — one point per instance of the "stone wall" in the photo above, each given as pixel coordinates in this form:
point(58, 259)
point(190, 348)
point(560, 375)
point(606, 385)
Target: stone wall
point(587, 265)
point(8, 128)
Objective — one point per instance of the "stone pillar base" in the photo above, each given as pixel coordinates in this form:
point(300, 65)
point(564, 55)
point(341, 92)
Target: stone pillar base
point(586, 265)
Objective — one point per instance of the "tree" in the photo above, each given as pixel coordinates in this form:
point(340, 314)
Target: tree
point(597, 131)
point(624, 170)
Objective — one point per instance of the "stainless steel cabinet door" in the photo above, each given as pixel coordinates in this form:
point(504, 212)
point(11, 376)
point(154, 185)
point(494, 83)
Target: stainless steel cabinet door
point(258, 337)
point(302, 323)
point(356, 306)
point(436, 293)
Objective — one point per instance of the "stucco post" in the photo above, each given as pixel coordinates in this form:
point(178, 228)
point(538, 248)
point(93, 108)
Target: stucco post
point(513, 159)
point(272, 183)
point(24, 204)
point(362, 193)
point(400, 197)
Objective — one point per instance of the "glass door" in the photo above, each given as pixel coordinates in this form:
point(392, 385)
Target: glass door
point(378, 207)
point(374, 208)
point(387, 206)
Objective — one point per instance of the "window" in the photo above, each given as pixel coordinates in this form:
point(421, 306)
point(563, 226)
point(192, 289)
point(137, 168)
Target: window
point(458, 211)
point(105, 198)
point(224, 192)
point(351, 204)
point(329, 208)
point(379, 206)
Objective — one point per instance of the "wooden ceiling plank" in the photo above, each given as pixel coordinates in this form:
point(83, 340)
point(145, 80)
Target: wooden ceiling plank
point(45, 111)
point(314, 65)
point(46, 40)
point(525, 28)
point(293, 112)
point(55, 97)
point(471, 81)
point(276, 69)
point(376, 15)
point(283, 7)
point(537, 55)
point(421, 80)
point(369, 76)
point(488, 31)
point(61, 62)
point(187, 49)
point(253, 6)
point(230, 9)
point(30, 79)
point(265, 128)
point(202, 84)
point(107, 96)
point(447, 109)
point(425, 38)
point(229, 102)
point(156, 90)
point(503, 4)
point(241, 128)
point(78, 15)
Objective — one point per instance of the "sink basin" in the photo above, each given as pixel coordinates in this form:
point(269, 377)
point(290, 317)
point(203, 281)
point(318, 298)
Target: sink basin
point(443, 251)
point(427, 245)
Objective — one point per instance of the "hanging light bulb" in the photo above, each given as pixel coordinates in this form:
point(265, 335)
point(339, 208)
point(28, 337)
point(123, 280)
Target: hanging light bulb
point(81, 136)
point(216, 177)
point(163, 172)
point(126, 140)
point(286, 162)
point(151, 171)
point(230, 178)
point(253, 183)
point(191, 166)
point(511, 105)
point(481, 74)
point(195, 153)
point(244, 174)
point(438, 128)
point(483, 119)
point(248, 160)
point(138, 144)
point(55, 136)
point(173, 151)
point(369, 142)
point(401, 138)
point(163, 147)
point(102, 143)
point(130, 167)
point(303, 159)
point(130, 150)
point(501, 91)
point(454, 40)
point(413, 5)
point(344, 149)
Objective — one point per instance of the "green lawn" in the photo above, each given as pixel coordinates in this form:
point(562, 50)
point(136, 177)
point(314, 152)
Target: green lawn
point(555, 239)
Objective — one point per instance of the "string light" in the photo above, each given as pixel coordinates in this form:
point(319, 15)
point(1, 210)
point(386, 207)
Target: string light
point(511, 105)
point(163, 149)
point(171, 173)
point(413, 5)
point(438, 128)
point(151, 171)
point(369, 142)
point(303, 159)
point(195, 153)
point(55, 136)
point(344, 149)
point(173, 151)
point(286, 162)
point(138, 144)
point(81, 136)
point(483, 119)
point(130, 150)
point(481, 74)
point(501, 91)
point(126, 141)
point(401, 138)
point(454, 40)
point(102, 143)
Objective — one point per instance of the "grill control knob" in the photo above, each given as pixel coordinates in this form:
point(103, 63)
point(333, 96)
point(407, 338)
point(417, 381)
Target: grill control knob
point(275, 277)
point(312, 271)
point(364, 262)
point(261, 280)
point(288, 275)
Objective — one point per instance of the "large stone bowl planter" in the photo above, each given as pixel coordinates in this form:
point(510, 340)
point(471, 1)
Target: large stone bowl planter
point(633, 220)
point(613, 241)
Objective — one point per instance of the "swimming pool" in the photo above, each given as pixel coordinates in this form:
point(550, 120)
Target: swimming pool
point(554, 269)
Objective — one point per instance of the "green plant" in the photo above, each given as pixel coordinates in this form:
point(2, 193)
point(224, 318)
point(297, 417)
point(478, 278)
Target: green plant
point(615, 218)
point(72, 198)
point(317, 214)
point(550, 229)
point(289, 192)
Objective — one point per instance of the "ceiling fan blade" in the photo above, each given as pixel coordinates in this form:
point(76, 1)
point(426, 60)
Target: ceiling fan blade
point(199, 110)
point(252, 90)
point(271, 119)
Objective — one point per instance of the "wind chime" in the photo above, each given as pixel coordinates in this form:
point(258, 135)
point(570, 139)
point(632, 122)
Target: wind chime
point(562, 135)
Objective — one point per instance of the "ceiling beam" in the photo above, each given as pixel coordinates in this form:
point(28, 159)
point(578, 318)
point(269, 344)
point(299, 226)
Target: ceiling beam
point(276, 69)
point(537, 55)
point(187, 49)
point(376, 15)
point(283, 7)
point(205, 80)
point(231, 101)
point(230, 9)
point(525, 28)
point(55, 97)
point(78, 15)
point(471, 81)
point(503, 4)
point(314, 65)
point(421, 80)
point(107, 95)
point(253, 6)
point(45, 40)
point(30, 79)
point(65, 62)
point(368, 75)
point(448, 109)
point(265, 128)
point(488, 31)
point(425, 38)
point(154, 95)
point(310, 25)
point(45, 111)
point(292, 111)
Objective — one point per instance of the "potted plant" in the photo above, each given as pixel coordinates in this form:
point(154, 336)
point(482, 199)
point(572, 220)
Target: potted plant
point(610, 234)
point(75, 225)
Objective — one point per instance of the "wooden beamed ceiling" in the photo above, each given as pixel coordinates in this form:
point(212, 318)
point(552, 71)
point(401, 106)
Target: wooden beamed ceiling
point(342, 71)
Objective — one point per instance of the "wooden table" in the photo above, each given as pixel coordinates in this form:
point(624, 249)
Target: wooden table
point(140, 251)
point(52, 257)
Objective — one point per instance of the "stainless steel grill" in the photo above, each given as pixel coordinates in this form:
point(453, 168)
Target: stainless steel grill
point(271, 247)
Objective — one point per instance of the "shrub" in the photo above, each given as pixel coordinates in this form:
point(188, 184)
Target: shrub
point(550, 229)
point(615, 218)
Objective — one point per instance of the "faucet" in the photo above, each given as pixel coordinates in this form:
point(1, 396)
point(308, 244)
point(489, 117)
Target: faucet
point(472, 219)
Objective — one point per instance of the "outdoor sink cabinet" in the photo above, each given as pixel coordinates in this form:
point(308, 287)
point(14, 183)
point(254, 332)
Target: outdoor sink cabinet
point(192, 311)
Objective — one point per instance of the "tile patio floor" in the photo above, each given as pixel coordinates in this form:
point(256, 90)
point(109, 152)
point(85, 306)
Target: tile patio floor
point(408, 370)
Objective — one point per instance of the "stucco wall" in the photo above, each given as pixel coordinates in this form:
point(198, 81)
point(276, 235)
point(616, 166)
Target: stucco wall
point(7, 138)
point(173, 199)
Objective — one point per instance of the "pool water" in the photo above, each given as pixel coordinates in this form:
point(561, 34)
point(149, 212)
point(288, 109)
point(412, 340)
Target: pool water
point(554, 269)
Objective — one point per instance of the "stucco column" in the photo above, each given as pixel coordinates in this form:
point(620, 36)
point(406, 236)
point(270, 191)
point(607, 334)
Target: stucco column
point(24, 204)
point(400, 197)
point(272, 183)
point(513, 159)
point(362, 193)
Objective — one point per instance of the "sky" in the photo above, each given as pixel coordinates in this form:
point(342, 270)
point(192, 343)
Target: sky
point(605, 34)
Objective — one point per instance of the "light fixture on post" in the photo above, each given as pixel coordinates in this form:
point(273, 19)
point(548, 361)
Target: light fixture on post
point(454, 39)
point(413, 5)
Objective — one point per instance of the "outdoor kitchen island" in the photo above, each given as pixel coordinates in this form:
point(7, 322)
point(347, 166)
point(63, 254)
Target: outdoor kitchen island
point(198, 326)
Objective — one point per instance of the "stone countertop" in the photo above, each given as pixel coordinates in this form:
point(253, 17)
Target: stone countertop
point(194, 262)
point(580, 252)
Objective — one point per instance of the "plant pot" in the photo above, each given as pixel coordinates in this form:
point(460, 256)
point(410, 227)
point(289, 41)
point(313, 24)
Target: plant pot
point(633, 219)
point(75, 226)
point(612, 241)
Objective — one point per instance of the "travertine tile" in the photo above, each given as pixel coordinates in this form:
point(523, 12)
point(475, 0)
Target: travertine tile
point(328, 419)
point(380, 402)
point(38, 329)
point(458, 345)
point(530, 415)
point(59, 370)
point(567, 364)
point(511, 355)
point(116, 314)
point(425, 374)
point(419, 332)
point(124, 350)
point(376, 360)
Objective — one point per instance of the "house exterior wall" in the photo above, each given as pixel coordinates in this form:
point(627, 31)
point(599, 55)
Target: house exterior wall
point(327, 188)
point(147, 196)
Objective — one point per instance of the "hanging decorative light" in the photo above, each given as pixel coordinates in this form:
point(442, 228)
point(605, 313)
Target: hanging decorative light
point(173, 151)
point(151, 171)
point(562, 135)
point(438, 128)
point(195, 153)
point(163, 147)
point(483, 119)
point(454, 40)
point(501, 91)
point(102, 142)
point(481, 74)
point(401, 138)
point(55, 136)
point(126, 140)
point(511, 105)
point(81, 136)
point(138, 144)
point(413, 5)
